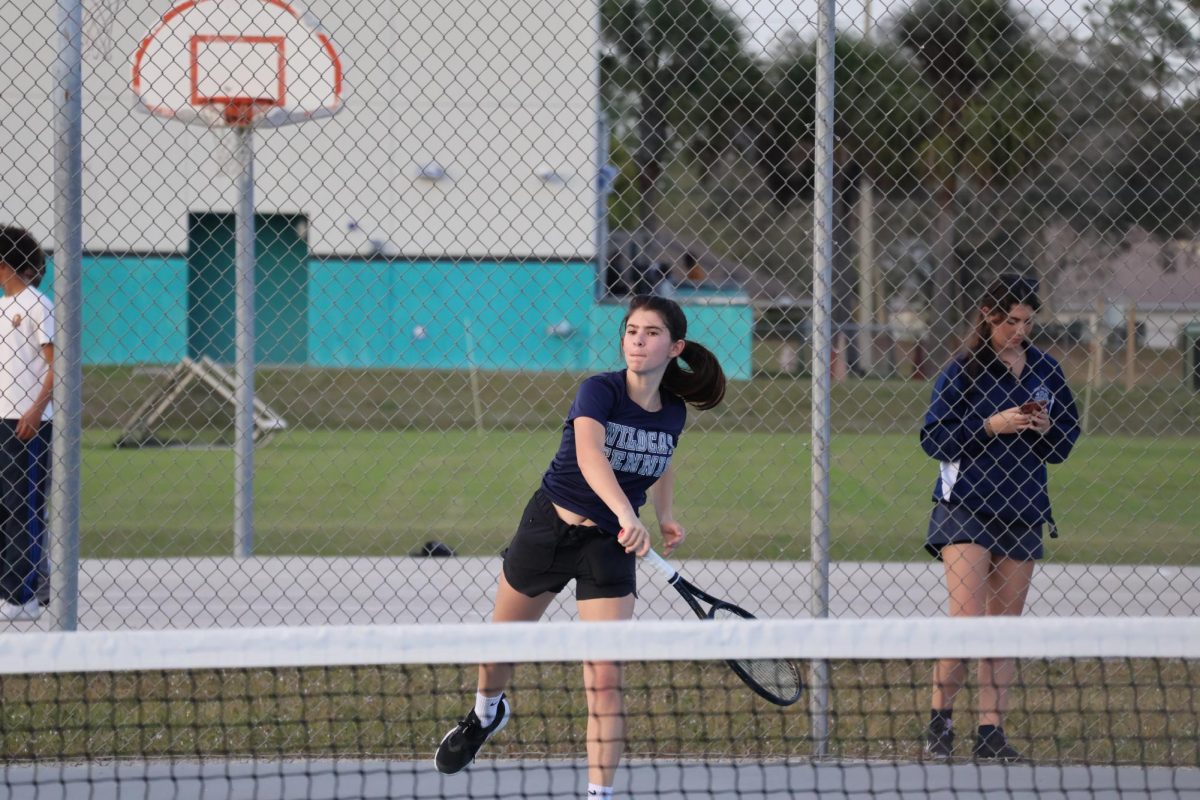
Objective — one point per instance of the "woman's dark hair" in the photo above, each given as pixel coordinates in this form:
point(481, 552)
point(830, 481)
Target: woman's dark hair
point(703, 382)
point(1004, 293)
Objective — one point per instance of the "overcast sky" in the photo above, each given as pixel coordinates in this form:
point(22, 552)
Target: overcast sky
point(764, 19)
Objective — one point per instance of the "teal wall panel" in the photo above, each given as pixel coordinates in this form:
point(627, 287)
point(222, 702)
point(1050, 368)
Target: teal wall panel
point(134, 308)
point(350, 313)
point(400, 314)
point(450, 315)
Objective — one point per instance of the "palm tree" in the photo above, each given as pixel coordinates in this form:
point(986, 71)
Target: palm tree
point(1153, 41)
point(880, 107)
point(672, 72)
point(1153, 44)
point(977, 60)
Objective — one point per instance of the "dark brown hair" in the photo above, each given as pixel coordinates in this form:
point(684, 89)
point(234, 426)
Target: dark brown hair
point(21, 252)
point(1005, 292)
point(703, 382)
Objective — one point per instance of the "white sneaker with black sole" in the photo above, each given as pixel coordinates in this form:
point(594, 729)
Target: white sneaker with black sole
point(460, 746)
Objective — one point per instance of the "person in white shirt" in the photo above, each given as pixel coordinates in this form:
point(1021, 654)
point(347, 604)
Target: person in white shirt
point(26, 386)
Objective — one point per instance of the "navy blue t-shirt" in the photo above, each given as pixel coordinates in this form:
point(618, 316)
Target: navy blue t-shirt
point(637, 442)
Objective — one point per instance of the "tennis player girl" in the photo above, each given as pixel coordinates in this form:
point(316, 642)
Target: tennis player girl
point(582, 523)
point(1001, 411)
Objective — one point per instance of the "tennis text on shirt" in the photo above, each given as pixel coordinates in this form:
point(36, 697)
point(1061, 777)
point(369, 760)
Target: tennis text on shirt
point(635, 450)
point(638, 445)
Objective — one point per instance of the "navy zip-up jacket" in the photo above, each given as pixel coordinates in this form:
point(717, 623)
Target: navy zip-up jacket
point(998, 476)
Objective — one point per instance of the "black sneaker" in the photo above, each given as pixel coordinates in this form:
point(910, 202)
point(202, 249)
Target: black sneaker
point(939, 742)
point(994, 746)
point(459, 746)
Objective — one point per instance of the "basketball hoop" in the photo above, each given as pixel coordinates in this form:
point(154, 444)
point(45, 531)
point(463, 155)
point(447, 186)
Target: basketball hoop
point(99, 17)
point(229, 119)
point(238, 64)
point(242, 112)
point(234, 66)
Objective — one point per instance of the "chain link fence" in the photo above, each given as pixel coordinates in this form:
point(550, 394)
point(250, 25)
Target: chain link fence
point(439, 263)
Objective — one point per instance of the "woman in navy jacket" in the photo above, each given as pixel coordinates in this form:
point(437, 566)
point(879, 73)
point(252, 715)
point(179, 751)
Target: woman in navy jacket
point(1001, 411)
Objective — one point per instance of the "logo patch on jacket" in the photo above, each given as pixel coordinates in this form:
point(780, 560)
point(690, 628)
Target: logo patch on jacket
point(1044, 396)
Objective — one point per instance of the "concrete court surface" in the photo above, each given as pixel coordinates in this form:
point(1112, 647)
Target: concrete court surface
point(229, 592)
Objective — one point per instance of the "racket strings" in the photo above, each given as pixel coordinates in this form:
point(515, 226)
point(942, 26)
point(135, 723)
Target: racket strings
point(779, 678)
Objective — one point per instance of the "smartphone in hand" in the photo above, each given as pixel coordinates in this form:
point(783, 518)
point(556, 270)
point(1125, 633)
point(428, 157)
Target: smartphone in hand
point(1032, 407)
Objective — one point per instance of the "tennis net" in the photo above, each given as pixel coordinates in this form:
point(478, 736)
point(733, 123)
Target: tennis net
point(1099, 707)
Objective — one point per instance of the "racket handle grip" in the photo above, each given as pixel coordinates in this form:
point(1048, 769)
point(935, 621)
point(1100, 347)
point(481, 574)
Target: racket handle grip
point(661, 564)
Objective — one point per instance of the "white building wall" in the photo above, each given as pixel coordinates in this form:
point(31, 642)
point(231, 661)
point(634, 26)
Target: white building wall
point(494, 93)
point(1162, 327)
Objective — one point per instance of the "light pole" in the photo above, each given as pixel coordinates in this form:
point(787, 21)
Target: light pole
point(866, 248)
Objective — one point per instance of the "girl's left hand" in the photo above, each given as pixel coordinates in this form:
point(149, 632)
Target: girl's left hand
point(27, 425)
point(672, 535)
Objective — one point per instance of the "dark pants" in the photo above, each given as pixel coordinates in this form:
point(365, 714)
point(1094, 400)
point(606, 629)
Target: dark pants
point(24, 484)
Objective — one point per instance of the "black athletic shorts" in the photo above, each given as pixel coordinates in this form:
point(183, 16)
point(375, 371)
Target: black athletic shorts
point(546, 553)
point(952, 524)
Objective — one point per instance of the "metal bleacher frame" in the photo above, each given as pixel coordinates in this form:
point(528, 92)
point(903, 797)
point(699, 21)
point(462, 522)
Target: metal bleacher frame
point(139, 430)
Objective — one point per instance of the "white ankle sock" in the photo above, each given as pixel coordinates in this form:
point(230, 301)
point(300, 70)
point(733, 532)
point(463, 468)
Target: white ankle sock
point(485, 707)
point(597, 792)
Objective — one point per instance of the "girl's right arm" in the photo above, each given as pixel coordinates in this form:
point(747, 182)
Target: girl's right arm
point(954, 428)
point(589, 452)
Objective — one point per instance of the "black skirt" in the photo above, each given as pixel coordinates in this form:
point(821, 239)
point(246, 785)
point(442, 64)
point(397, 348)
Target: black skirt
point(954, 524)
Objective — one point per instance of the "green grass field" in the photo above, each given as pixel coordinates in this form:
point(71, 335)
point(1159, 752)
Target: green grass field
point(1119, 499)
point(381, 400)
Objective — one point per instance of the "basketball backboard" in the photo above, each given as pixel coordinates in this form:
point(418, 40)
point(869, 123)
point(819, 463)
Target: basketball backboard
point(238, 63)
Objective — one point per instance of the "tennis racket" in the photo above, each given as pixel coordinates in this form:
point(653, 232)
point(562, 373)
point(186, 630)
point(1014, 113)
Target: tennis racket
point(775, 680)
